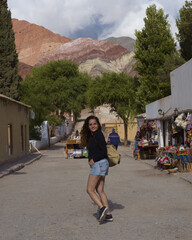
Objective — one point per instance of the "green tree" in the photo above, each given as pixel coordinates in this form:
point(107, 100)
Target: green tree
point(153, 44)
point(57, 85)
point(119, 91)
point(184, 25)
point(163, 74)
point(54, 121)
point(9, 78)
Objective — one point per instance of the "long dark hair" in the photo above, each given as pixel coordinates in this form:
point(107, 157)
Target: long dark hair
point(85, 131)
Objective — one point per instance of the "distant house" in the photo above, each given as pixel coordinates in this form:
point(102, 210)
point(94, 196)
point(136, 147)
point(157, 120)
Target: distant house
point(118, 125)
point(110, 120)
point(14, 129)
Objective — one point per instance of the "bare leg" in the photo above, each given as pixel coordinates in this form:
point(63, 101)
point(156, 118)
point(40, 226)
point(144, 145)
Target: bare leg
point(91, 185)
point(100, 191)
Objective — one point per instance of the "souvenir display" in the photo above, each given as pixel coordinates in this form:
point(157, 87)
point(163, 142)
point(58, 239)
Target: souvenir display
point(175, 157)
point(188, 130)
point(146, 141)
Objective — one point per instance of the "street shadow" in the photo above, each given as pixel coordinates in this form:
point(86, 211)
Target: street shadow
point(81, 120)
point(19, 173)
point(56, 147)
point(112, 207)
point(121, 144)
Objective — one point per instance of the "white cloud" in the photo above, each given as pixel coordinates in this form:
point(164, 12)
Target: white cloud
point(129, 23)
point(67, 17)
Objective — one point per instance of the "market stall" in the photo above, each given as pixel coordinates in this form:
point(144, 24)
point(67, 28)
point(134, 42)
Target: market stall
point(175, 158)
point(179, 155)
point(146, 141)
point(73, 150)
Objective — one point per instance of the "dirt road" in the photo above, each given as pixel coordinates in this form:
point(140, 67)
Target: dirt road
point(47, 200)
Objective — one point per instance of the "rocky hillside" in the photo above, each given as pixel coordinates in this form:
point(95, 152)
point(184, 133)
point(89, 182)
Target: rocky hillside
point(95, 67)
point(84, 49)
point(34, 42)
point(94, 56)
point(37, 46)
point(125, 42)
point(24, 69)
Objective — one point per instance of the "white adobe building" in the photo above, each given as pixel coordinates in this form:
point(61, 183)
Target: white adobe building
point(179, 101)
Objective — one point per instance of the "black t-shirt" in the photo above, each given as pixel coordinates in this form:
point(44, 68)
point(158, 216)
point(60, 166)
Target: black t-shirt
point(97, 149)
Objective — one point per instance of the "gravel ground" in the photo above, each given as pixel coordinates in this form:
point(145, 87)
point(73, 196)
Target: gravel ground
point(47, 200)
point(187, 176)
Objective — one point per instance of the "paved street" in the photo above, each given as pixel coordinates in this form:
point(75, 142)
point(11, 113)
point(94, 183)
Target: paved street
point(47, 200)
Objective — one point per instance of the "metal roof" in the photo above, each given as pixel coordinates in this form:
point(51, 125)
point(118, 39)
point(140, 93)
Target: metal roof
point(142, 115)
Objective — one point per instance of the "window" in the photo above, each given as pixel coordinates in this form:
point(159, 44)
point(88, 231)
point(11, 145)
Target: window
point(27, 112)
point(10, 140)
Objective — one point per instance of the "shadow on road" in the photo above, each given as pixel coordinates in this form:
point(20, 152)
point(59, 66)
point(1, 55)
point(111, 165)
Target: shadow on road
point(56, 147)
point(19, 173)
point(112, 206)
point(81, 120)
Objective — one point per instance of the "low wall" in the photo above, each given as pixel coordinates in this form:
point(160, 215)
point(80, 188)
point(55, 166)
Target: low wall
point(35, 144)
point(54, 140)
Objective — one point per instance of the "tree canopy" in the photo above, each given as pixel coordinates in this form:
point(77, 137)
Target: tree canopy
point(57, 85)
point(184, 25)
point(154, 43)
point(172, 62)
point(119, 91)
point(9, 78)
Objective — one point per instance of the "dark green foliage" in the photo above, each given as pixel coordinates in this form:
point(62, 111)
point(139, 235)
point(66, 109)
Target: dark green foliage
point(9, 78)
point(34, 132)
point(56, 85)
point(154, 44)
point(114, 89)
point(118, 90)
point(184, 25)
point(54, 120)
point(163, 74)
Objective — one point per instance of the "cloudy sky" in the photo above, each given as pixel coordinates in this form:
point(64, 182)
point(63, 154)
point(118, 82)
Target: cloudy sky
point(97, 19)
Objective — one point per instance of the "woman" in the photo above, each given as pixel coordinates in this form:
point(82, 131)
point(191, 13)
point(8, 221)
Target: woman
point(93, 139)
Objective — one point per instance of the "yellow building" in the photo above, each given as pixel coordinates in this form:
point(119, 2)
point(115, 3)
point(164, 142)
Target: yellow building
point(14, 129)
point(118, 125)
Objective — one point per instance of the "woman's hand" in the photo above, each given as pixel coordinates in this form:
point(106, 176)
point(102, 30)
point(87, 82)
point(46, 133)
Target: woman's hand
point(91, 162)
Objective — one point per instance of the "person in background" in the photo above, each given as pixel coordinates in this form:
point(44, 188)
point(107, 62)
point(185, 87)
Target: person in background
point(77, 133)
point(114, 138)
point(138, 136)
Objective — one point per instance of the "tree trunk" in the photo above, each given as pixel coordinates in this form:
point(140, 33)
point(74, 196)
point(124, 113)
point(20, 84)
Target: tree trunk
point(74, 117)
point(125, 131)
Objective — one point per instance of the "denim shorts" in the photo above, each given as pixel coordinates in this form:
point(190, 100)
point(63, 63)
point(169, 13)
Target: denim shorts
point(100, 168)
